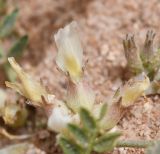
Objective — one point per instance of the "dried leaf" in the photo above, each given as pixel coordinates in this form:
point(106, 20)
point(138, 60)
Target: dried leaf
point(70, 52)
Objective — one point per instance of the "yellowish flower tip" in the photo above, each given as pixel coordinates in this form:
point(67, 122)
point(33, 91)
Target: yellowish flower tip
point(70, 51)
point(27, 87)
point(14, 65)
point(134, 89)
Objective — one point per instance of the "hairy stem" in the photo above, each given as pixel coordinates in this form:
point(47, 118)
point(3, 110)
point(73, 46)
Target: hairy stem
point(90, 147)
point(135, 144)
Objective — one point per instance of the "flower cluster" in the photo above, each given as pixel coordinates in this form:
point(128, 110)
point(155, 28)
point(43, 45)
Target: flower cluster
point(70, 60)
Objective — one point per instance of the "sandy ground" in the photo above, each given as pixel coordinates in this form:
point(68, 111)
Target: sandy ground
point(103, 24)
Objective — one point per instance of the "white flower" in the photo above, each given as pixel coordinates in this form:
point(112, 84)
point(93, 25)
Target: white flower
point(70, 52)
point(27, 87)
point(60, 117)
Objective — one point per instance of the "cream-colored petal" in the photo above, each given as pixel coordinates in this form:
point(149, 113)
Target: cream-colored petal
point(60, 117)
point(16, 67)
point(70, 52)
point(15, 86)
point(58, 120)
point(67, 39)
point(133, 89)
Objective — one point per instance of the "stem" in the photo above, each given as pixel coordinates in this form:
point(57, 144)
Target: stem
point(135, 144)
point(90, 146)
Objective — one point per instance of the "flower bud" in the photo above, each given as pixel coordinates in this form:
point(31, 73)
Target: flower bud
point(70, 52)
point(132, 55)
point(133, 89)
point(27, 86)
point(79, 95)
point(124, 97)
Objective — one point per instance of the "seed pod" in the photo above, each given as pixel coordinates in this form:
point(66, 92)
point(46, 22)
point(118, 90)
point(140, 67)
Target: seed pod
point(132, 55)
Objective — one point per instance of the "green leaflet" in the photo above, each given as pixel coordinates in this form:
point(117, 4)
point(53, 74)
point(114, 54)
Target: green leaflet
point(87, 120)
point(87, 137)
point(107, 142)
point(78, 134)
point(18, 47)
point(69, 147)
point(103, 111)
point(7, 25)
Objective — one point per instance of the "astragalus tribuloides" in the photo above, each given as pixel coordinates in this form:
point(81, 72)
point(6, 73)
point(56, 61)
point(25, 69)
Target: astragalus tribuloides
point(70, 60)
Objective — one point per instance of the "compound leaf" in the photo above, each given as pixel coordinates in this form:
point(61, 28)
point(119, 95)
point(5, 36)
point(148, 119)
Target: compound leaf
point(107, 142)
point(78, 134)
